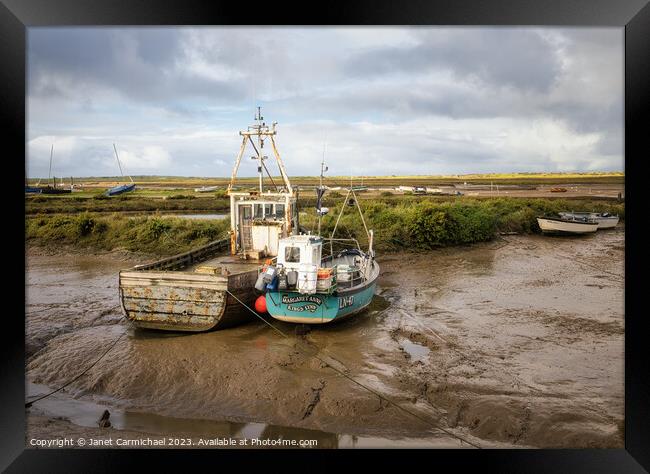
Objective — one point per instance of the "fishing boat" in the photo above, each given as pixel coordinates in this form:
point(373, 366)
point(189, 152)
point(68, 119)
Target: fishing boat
point(122, 188)
point(205, 289)
point(558, 190)
point(308, 286)
point(605, 220)
point(567, 225)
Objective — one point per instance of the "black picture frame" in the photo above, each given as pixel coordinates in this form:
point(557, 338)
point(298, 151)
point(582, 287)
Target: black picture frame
point(633, 15)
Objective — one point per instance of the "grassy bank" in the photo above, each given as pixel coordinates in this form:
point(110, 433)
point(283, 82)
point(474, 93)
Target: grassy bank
point(408, 223)
point(148, 201)
point(426, 224)
point(155, 235)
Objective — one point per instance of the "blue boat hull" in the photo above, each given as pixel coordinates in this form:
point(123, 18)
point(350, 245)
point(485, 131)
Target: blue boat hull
point(32, 190)
point(125, 188)
point(319, 308)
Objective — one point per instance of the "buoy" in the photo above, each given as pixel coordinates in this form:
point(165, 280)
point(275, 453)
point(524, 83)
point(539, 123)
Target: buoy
point(260, 304)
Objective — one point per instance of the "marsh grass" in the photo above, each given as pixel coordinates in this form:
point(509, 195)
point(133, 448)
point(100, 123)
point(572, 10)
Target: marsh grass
point(129, 203)
point(155, 235)
point(406, 223)
point(416, 224)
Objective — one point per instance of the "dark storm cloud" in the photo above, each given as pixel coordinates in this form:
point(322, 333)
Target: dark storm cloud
point(140, 64)
point(586, 118)
point(510, 57)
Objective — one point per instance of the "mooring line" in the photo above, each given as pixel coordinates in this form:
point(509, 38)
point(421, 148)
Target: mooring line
point(30, 403)
point(365, 387)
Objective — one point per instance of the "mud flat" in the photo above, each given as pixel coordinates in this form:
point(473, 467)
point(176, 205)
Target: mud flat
point(513, 343)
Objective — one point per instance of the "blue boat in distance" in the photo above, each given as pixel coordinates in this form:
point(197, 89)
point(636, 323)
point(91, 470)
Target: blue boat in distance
point(122, 188)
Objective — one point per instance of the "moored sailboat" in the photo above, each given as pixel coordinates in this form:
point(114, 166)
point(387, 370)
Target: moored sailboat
point(121, 188)
point(52, 188)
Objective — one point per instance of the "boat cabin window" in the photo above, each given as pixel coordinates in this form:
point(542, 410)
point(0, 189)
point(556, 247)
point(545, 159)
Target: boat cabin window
point(279, 211)
point(268, 211)
point(292, 254)
point(258, 211)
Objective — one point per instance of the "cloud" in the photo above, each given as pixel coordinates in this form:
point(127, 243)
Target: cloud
point(519, 58)
point(387, 100)
point(147, 159)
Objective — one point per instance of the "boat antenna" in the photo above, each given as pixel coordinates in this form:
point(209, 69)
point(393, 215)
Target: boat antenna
point(260, 143)
point(49, 174)
point(321, 190)
point(119, 164)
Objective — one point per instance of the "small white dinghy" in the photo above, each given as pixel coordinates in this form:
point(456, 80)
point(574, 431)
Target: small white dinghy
point(567, 225)
point(206, 189)
point(605, 220)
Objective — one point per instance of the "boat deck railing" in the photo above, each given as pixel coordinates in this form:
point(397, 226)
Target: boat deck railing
point(184, 260)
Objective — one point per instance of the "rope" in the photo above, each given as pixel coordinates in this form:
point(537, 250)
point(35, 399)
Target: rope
point(29, 404)
point(365, 387)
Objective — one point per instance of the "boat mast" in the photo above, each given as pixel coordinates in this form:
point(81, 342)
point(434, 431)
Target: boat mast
point(262, 131)
point(49, 173)
point(260, 145)
point(119, 164)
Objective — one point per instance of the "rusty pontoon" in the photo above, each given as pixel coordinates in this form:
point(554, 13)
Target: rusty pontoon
point(187, 292)
point(193, 291)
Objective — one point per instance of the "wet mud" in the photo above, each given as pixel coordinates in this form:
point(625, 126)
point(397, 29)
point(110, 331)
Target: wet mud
point(513, 343)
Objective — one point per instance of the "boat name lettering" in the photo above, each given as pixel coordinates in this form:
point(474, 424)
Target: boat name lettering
point(286, 299)
point(308, 307)
point(346, 301)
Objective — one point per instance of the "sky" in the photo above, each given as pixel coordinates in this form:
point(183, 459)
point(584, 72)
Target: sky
point(373, 101)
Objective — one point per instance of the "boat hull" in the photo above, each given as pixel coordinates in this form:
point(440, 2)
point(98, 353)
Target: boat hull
point(173, 295)
point(294, 307)
point(558, 226)
point(125, 188)
point(604, 222)
point(319, 308)
point(55, 191)
point(206, 189)
point(185, 301)
point(607, 222)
